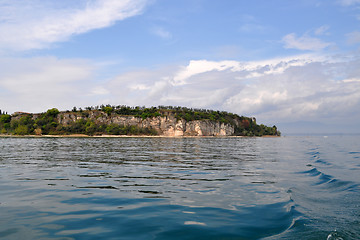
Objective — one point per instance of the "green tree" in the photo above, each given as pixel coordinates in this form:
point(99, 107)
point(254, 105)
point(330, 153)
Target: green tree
point(90, 128)
point(21, 130)
point(108, 110)
point(7, 126)
point(113, 129)
point(5, 118)
point(52, 112)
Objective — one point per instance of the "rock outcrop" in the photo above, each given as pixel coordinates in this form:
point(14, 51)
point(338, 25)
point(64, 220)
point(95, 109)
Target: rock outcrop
point(123, 120)
point(164, 125)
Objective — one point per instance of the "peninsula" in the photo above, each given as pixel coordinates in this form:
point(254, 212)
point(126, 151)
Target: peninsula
point(124, 120)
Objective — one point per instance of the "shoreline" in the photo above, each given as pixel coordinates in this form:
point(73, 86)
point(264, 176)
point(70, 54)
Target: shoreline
point(122, 136)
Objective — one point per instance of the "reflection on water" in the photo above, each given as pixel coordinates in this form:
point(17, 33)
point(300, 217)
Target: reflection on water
point(179, 188)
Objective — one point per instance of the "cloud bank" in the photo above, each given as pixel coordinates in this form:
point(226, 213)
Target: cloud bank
point(298, 88)
point(36, 84)
point(305, 87)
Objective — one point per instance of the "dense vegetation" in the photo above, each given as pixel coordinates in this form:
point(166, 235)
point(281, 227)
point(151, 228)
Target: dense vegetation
point(47, 122)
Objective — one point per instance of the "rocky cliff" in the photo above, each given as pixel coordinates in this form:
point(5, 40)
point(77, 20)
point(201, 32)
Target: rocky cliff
point(124, 120)
point(164, 125)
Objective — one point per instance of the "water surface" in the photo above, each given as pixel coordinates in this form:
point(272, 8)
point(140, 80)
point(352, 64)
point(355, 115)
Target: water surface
point(180, 188)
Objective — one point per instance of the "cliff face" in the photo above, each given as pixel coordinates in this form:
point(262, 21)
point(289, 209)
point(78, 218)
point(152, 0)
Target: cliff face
point(124, 120)
point(164, 125)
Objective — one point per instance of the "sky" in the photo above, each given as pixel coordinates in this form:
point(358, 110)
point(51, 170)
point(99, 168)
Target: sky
point(293, 64)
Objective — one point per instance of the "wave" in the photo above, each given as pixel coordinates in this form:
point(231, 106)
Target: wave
point(329, 182)
point(161, 220)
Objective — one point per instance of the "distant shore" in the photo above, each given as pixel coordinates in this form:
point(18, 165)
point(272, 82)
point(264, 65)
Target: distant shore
point(120, 136)
point(123, 121)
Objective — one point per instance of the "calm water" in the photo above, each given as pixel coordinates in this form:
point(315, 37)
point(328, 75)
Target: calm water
point(180, 188)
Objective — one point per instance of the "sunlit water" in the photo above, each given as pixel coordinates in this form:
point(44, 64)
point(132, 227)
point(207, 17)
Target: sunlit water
point(180, 188)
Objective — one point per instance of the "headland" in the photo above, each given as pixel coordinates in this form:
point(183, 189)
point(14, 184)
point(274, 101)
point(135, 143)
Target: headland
point(125, 121)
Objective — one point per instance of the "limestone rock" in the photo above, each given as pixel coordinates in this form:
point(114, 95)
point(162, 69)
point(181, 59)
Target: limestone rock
point(164, 125)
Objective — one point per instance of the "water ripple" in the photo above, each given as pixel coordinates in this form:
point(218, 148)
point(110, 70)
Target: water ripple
point(185, 188)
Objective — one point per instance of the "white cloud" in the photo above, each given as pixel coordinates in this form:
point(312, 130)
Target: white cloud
point(161, 32)
point(252, 27)
point(248, 18)
point(34, 24)
point(228, 51)
point(99, 90)
point(322, 30)
point(36, 84)
point(284, 89)
point(250, 24)
point(201, 66)
point(351, 80)
point(246, 69)
point(349, 2)
point(306, 87)
point(353, 37)
point(304, 42)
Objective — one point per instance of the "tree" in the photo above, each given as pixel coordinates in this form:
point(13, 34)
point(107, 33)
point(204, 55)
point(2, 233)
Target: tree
point(108, 110)
point(90, 127)
point(245, 123)
point(52, 112)
point(21, 130)
point(5, 118)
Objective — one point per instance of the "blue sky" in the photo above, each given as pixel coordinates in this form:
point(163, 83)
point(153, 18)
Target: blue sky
point(290, 63)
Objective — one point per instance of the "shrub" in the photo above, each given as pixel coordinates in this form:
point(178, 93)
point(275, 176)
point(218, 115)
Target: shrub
point(38, 131)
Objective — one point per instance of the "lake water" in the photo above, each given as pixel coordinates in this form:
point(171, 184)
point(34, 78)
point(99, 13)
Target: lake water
point(180, 188)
